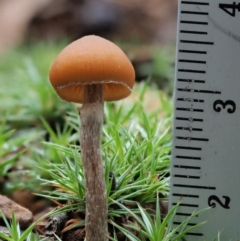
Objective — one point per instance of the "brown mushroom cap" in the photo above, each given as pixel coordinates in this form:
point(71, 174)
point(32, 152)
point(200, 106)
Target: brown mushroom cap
point(92, 60)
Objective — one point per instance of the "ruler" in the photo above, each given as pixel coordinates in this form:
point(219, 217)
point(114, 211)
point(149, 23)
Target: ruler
point(205, 169)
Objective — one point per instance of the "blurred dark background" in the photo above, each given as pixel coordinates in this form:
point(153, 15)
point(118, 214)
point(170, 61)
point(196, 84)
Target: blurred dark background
point(147, 22)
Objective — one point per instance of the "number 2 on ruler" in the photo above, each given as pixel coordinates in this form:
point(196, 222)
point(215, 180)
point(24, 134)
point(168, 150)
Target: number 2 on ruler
point(212, 199)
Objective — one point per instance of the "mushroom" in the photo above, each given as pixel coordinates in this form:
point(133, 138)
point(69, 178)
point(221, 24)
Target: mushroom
point(89, 71)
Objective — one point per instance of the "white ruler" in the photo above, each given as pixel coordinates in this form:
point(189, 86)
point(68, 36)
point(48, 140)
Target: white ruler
point(205, 167)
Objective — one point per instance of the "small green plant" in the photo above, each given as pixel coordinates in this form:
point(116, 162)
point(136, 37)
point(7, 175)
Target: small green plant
point(15, 233)
point(151, 227)
point(14, 154)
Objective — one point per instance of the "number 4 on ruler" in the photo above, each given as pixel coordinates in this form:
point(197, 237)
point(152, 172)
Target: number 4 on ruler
point(230, 8)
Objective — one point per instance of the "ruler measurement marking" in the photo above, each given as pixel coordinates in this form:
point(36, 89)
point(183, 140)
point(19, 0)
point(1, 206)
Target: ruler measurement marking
point(189, 109)
point(188, 128)
point(188, 224)
point(185, 195)
point(189, 119)
point(195, 3)
point(192, 71)
point(183, 214)
point(186, 205)
point(196, 42)
point(194, 22)
point(190, 81)
point(187, 167)
point(194, 13)
point(194, 186)
point(194, 32)
point(191, 138)
point(192, 51)
point(189, 148)
point(192, 61)
point(189, 157)
point(190, 100)
point(186, 176)
point(194, 234)
point(200, 91)
point(199, 81)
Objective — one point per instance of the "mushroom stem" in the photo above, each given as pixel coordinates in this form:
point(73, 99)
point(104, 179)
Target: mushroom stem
point(91, 114)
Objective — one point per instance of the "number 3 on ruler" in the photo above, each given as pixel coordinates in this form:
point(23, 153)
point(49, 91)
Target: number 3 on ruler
point(218, 105)
point(212, 200)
